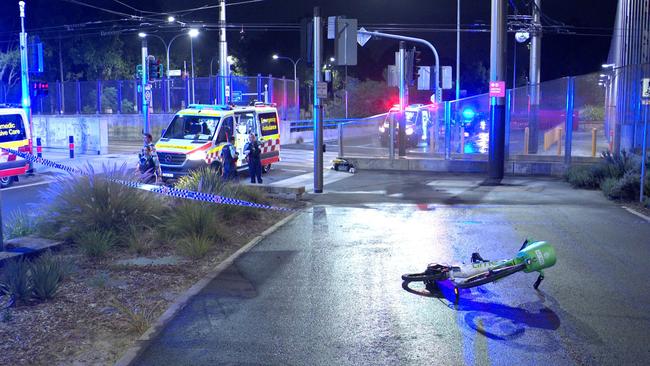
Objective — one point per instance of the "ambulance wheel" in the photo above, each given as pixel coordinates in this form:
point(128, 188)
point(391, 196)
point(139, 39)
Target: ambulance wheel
point(6, 181)
point(266, 168)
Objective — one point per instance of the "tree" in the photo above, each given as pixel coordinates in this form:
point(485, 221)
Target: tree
point(9, 69)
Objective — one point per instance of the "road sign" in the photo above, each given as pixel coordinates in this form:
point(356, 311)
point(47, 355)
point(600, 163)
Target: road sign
point(362, 38)
point(497, 89)
point(174, 73)
point(237, 96)
point(646, 88)
point(446, 77)
point(321, 90)
point(147, 87)
point(147, 95)
point(227, 91)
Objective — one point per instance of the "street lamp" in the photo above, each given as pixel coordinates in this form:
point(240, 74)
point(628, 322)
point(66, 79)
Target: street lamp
point(193, 33)
point(171, 19)
point(295, 79)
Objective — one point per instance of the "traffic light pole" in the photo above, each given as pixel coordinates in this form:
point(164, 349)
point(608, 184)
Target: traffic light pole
point(534, 79)
point(496, 158)
point(318, 108)
point(24, 67)
point(414, 40)
point(224, 68)
point(143, 86)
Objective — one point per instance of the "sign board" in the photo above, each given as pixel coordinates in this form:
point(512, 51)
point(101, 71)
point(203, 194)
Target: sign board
point(227, 91)
point(147, 95)
point(362, 38)
point(331, 27)
point(174, 73)
point(645, 90)
point(321, 90)
point(446, 77)
point(392, 76)
point(147, 87)
point(497, 89)
point(424, 78)
point(345, 42)
point(236, 96)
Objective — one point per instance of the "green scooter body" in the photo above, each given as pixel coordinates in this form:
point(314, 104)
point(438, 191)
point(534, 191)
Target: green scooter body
point(537, 256)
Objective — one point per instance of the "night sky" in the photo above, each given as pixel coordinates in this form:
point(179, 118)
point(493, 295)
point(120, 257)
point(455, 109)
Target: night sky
point(562, 54)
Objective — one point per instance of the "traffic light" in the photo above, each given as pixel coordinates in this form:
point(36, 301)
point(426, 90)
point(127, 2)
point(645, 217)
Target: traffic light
point(154, 68)
point(39, 88)
point(417, 60)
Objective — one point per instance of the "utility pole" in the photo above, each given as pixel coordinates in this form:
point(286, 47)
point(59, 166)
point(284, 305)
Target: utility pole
point(534, 78)
point(145, 75)
point(224, 68)
point(61, 90)
point(498, 43)
point(24, 67)
point(318, 108)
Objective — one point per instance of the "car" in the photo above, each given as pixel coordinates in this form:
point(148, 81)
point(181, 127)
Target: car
point(15, 134)
point(419, 118)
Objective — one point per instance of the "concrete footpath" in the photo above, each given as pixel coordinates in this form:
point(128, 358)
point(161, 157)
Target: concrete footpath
point(325, 288)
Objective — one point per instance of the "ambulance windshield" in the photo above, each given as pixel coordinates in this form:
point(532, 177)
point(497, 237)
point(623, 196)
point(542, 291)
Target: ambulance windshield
point(193, 128)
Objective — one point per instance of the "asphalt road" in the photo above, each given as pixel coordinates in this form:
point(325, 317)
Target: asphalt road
point(325, 289)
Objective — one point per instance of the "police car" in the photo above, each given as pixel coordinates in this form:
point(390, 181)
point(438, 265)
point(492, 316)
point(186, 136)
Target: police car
point(419, 118)
point(196, 135)
point(15, 134)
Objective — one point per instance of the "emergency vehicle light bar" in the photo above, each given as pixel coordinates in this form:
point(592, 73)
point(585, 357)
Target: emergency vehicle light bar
point(214, 107)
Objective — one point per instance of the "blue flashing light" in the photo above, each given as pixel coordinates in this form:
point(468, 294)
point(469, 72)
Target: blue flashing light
point(468, 113)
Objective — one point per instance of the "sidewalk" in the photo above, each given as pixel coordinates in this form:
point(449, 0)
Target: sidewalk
point(98, 162)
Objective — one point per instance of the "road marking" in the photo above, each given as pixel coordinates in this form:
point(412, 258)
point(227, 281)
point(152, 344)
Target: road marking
point(636, 213)
point(27, 185)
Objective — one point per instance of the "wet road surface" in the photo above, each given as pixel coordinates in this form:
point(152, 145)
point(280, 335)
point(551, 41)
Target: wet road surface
point(325, 289)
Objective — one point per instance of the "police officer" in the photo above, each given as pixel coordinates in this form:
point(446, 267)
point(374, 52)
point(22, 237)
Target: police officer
point(254, 153)
point(229, 159)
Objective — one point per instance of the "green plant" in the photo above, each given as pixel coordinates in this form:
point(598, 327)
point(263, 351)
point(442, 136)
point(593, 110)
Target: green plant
point(139, 319)
point(16, 280)
point(128, 106)
point(583, 176)
point(139, 240)
point(592, 113)
point(95, 201)
point(194, 246)
point(99, 280)
point(20, 224)
point(47, 273)
point(194, 218)
point(95, 243)
point(7, 316)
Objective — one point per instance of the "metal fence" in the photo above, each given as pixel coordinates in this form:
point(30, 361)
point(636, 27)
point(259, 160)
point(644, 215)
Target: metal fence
point(168, 95)
point(574, 119)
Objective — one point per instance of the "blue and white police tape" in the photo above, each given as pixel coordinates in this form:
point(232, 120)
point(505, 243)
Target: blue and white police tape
point(163, 190)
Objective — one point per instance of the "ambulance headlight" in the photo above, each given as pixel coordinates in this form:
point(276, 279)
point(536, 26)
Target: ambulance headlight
point(382, 129)
point(409, 131)
point(196, 156)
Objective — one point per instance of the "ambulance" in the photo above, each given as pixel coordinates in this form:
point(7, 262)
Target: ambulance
point(15, 134)
point(196, 135)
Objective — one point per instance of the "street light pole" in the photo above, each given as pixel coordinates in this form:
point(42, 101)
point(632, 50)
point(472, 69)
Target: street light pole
point(295, 79)
point(496, 158)
point(192, 61)
point(145, 74)
point(24, 69)
point(224, 68)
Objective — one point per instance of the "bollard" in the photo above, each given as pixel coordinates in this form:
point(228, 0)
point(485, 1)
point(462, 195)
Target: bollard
point(71, 141)
point(559, 141)
point(340, 139)
point(593, 142)
point(526, 137)
point(39, 148)
point(462, 140)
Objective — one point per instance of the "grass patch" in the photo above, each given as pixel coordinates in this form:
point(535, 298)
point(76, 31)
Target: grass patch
point(19, 224)
point(47, 274)
point(16, 280)
point(194, 246)
point(139, 319)
point(95, 243)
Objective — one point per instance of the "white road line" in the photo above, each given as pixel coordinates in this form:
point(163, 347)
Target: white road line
point(27, 185)
point(636, 213)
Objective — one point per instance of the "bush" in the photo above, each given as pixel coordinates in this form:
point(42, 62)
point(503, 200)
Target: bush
point(95, 243)
point(625, 188)
point(194, 246)
point(47, 274)
point(20, 224)
point(16, 280)
point(206, 181)
point(193, 218)
point(139, 240)
point(92, 201)
point(581, 176)
point(139, 319)
point(592, 113)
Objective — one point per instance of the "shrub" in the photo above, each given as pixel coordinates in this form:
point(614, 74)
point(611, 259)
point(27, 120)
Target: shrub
point(592, 113)
point(139, 240)
point(581, 176)
point(16, 280)
point(20, 224)
point(194, 218)
point(204, 180)
point(139, 319)
point(615, 166)
point(93, 201)
point(47, 274)
point(609, 186)
point(625, 188)
point(194, 246)
point(95, 243)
